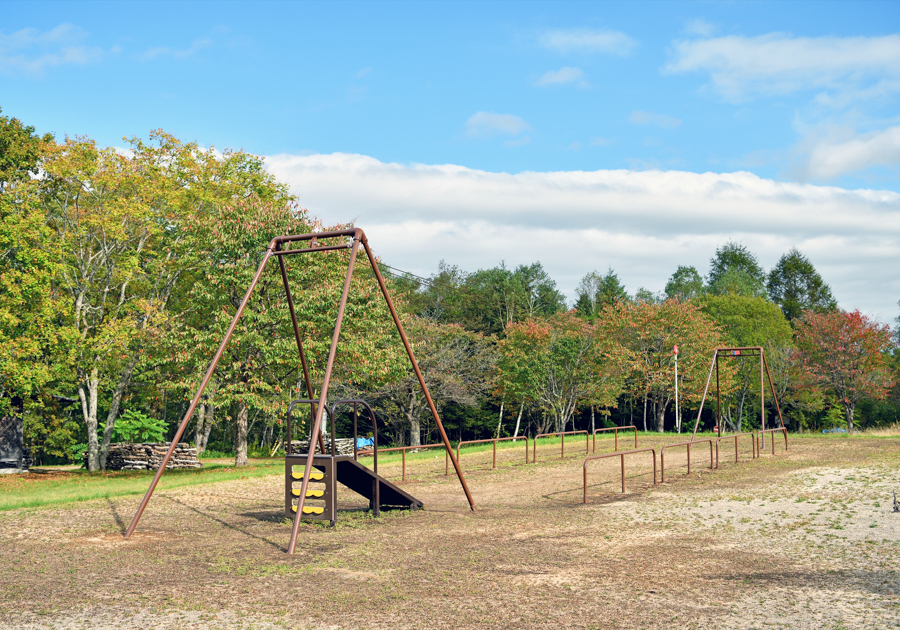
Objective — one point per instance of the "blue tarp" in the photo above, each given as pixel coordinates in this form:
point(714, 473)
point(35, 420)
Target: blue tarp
point(362, 443)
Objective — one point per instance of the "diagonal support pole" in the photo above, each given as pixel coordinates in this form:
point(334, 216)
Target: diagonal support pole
point(412, 359)
point(196, 400)
point(705, 390)
point(324, 394)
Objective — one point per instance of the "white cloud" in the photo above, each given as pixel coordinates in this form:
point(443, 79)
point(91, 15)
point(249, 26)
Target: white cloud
point(588, 40)
point(841, 153)
point(649, 118)
point(487, 125)
point(778, 63)
point(643, 224)
point(30, 52)
point(177, 53)
point(561, 77)
point(700, 27)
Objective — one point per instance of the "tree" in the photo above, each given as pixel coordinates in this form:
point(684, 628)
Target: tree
point(494, 298)
point(20, 150)
point(28, 261)
point(648, 332)
point(746, 321)
point(259, 372)
point(560, 363)
point(130, 230)
point(796, 286)
point(735, 270)
point(685, 284)
point(596, 291)
point(485, 301)
point(846, 353)
point(456, 365)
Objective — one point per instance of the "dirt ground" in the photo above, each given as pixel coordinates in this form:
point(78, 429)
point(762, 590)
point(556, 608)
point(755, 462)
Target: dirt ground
point(803, 540)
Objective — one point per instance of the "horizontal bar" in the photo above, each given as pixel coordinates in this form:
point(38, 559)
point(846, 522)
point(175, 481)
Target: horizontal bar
point(306, 250)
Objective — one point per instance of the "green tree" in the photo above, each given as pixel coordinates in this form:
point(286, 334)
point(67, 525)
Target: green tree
point(796, 286)
point(735, 270)
point(685, 284)
point(29, 258)
point(649, 331)
point(259, 371)
point(596, 291)
point(457, 365)
point(746, 322)
point(130, 229)
point(20, 150)
point(561, 363)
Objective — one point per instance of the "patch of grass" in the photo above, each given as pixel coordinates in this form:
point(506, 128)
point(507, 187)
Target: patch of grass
point(50, 488)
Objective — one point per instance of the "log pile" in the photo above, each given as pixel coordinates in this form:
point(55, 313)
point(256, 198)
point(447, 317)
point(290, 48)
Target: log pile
point(148, 456)
point(343, 446)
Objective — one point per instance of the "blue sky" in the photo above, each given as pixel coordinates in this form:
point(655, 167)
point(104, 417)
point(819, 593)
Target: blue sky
point(587, 135)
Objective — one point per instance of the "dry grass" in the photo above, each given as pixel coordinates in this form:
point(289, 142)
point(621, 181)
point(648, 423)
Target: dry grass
point(805, 539)
point(891, 431)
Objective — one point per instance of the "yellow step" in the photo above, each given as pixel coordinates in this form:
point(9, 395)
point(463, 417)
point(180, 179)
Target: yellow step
point(313, 476)
point(316, 494)
point(309, 509)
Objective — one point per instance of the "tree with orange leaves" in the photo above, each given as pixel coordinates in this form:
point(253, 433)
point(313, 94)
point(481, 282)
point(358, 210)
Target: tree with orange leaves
point(847, 353)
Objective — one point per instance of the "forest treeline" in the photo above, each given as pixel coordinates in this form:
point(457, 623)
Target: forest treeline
point(122, 269)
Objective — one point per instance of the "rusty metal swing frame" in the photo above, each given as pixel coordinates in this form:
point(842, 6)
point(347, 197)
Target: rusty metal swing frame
point(750, 351)
point(277, 248)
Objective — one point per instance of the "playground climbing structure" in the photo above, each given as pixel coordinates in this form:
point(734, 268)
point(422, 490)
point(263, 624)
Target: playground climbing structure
point(325, 468)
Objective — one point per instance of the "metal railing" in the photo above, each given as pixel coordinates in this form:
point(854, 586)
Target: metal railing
point(616, 429)
point(403, 450)
point(761, 438)
point(563, 434)
point(662, 456)
point(621, 455)
point(752, 437)
point(494, 441)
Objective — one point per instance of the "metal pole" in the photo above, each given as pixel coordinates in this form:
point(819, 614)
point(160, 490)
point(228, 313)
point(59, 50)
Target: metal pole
point(324, 395)
point(196, 400)
point(762, 391)
point(677, 415)
point(303, 365)
point(412, 359)
point(702, 400)
point(718, 401)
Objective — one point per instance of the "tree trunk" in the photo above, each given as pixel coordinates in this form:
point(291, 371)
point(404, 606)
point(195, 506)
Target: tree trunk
point(660, 409)
point(87, 392)
point(240, 436)
point(412, 415)
point(121, 386)
point(200, 426)
point(592, 420)
point(519, 419)
point(500, 421)
point(849, 409)
point(645, 413)
point(210, 421)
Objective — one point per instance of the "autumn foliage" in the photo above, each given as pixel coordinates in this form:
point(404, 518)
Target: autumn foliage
point(847, 353)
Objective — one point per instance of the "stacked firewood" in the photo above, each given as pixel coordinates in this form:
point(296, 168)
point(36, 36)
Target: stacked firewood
point(148, 456)
point(343, 446)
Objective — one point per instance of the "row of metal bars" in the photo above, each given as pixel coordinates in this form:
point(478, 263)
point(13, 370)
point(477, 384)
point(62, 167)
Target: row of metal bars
point(276, 248)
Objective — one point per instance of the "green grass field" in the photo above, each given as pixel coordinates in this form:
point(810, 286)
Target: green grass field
point(61, 486)
point(56, 487)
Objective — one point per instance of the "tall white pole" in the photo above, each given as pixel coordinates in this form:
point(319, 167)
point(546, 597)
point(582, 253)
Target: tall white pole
point(677, 414)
